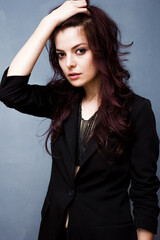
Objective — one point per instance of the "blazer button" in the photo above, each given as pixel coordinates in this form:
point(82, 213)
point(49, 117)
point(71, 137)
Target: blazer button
point(72, 193)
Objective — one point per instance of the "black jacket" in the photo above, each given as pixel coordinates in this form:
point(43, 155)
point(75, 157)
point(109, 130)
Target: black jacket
point(98, 198)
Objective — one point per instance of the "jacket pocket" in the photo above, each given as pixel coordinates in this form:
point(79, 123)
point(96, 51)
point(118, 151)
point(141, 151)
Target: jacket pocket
point(114, 231)
point(46, 204)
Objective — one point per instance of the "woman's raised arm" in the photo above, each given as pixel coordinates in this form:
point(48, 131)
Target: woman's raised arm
point(26, 58)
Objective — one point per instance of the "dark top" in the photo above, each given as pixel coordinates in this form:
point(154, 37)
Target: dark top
point(85, 130)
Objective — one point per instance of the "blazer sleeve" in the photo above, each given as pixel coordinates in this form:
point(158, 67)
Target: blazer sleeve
point(15, 92)
point(144, 156)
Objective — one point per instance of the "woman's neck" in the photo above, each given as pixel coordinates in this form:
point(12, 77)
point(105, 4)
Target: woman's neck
point(91, 91)
point(90, 104)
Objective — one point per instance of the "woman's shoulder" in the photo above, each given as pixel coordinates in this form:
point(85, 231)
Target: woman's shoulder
point(139, 102)
point(141, 107)
point(138, 99)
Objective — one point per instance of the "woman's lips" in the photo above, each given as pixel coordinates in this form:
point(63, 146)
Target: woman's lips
point(74, 75)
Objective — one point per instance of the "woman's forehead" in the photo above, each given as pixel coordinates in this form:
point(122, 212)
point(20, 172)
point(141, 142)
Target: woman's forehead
point(69, 37)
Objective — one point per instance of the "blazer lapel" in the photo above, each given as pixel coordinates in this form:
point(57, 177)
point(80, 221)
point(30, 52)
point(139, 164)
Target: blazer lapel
point(90, 149)
point(71, 134)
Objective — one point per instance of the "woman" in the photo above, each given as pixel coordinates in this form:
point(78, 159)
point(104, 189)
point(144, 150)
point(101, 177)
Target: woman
point(100, 139)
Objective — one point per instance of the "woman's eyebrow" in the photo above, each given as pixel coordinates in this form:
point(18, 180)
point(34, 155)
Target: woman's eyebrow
point(77, 45)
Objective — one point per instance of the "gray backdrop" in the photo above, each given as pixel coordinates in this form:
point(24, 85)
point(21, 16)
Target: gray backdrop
point(24, 164)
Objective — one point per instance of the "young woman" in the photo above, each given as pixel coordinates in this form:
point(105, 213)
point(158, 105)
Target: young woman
point(100, 139)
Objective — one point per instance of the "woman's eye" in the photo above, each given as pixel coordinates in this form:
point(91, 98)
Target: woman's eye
point(80, 51)
point(60, 55)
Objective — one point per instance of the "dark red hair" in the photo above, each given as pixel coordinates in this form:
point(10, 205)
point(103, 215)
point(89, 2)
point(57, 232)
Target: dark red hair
point(104, 40)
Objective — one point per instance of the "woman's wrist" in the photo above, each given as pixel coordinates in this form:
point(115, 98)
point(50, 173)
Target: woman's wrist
point(51, 20)
point(48, 24)
point(143, 234)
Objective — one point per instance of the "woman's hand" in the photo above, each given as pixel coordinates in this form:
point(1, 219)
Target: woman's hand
point(67, 10)
point(26, 58)
point(144, 234)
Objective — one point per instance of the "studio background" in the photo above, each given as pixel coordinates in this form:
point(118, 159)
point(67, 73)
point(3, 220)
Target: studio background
point(24, 163)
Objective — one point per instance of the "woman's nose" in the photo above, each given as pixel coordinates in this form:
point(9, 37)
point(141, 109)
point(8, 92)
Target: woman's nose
point(70, 62)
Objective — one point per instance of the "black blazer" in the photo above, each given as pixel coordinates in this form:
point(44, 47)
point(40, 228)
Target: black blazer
point(99, 196)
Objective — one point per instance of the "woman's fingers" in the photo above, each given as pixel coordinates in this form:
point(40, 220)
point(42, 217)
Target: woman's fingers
point(68, 9)
point(78, 3)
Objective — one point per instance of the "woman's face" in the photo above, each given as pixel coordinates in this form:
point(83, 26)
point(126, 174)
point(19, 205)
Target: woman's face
point(75, 57)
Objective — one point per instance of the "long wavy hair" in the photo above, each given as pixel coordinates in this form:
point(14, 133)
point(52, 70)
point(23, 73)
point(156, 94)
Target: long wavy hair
point(114, 120)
